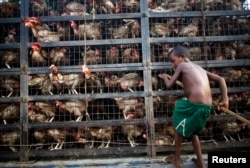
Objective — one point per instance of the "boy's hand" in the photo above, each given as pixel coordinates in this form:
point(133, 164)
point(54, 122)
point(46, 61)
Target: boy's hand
point(164, 76)
point(223, 104)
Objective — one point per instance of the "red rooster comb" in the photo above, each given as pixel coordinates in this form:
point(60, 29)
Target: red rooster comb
point(36, 44)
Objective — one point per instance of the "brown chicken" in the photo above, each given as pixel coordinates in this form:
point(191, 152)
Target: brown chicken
point(243, 50)
point(104, 134)
point(107, 6)
point(46, 108)
point(195, 53)
point(75, 107)
point(41, 31)
point(10, 112)
point(57, 135)
point(43, 83)
point(74, 8)
point(111, 81)
point(63, 31)
point(58, 57)
point(10, 38)
point(190, 30)
point(7, 9)
point(38, 7)
point(41, 137)
point(91, 29)
point(130, 55)
point(36, 117)
point(158, 29)
point(135, 27)
point(94, 82)
point(124, 30)
point(129, 104)
point(163, 57)
point(229, 129)
point(112, 55)
point(131, 5)
point(130, 82)
point(71, 81)
point(91, 57)
point(10, 56)
point(132, 132)
point(38, 55)
point(10, 138)
point(11, 84)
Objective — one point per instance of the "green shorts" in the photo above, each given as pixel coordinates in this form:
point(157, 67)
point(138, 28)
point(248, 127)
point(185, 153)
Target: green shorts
point(190, 118)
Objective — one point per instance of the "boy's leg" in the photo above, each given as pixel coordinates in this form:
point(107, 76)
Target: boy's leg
point(176, 160)
point(197, 148)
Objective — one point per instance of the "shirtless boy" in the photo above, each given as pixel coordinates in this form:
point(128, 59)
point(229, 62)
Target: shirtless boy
point(190, 115)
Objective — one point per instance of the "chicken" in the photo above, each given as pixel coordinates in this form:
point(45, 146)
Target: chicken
point(166, 129)
point(58, 57)
point(104, 134)
point(38, 55)
point(111, 80)
point(91, 57)
point(163, 139)
point(107, 6)
point(71, 81)
point(10, 38)
point(74, 8)
point(190, 30)
point(41, 137)
point(7, 9)
point(131, 5)
point(46, 108)
point(195, 53)
point(36, 117)
point(11, 84)
point(43, 82)
point(125, 30)
point(10, 138)
point(92, 79)
point(38, 7)
point(91, 29)
point(64, 32)
point(57, 135)
point(75, 107)
point(230, 51)
point(112, 55)
point(229, 129)
point(81, 135)
point(132, 132)
point(163, 57)
point(155, 82)
point(232, 75)
point(41, 31)
point(135, 27)
point(129, 104)
point(130, 81)
point(130, 55)
point(243, 50)
point(10, 111)
point(158, 29)
point(10, 56)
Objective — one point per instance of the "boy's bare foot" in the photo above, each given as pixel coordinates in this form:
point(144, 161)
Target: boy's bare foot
point(198, 164)
point(174, 161)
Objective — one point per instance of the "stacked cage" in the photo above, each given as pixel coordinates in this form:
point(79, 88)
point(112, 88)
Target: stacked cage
point(80, 78)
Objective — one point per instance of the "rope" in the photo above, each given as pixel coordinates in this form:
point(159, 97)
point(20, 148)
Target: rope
point(85, 49)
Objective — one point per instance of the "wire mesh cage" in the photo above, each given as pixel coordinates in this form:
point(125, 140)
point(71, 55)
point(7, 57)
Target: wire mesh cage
point(82, 77)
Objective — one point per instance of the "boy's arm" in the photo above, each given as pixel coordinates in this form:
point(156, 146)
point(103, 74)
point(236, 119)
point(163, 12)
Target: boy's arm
point(223, 89)
point(168, 80)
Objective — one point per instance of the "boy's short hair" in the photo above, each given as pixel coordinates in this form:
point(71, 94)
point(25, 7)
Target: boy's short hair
point(179, 51)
